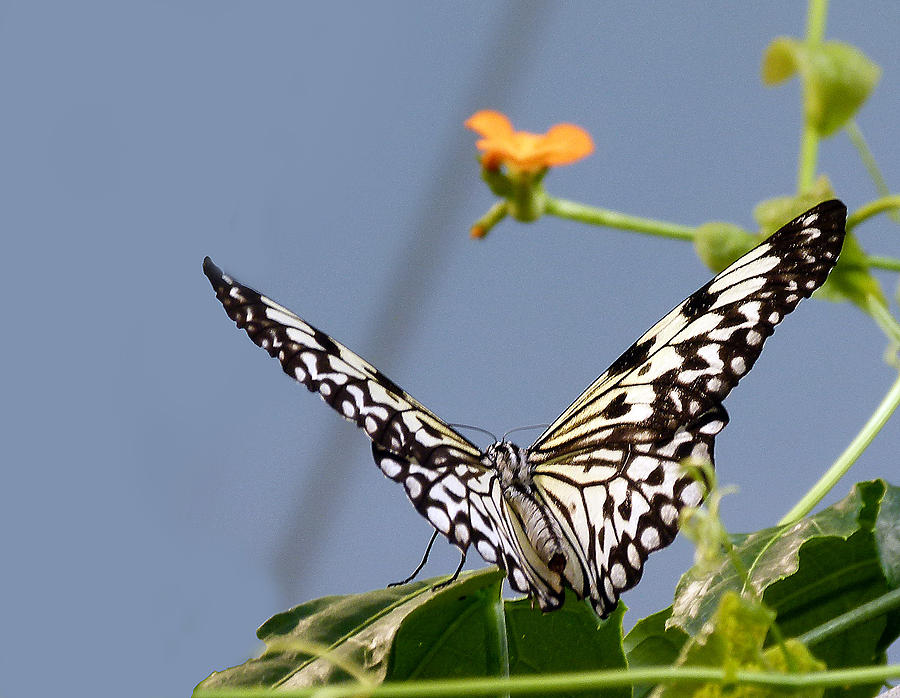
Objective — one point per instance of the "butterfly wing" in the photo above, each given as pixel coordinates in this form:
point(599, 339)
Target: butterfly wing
point(394, 420)
point(439, 468)
point(608, 465)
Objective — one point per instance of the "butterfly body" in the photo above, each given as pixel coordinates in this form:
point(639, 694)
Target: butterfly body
point(602, 487)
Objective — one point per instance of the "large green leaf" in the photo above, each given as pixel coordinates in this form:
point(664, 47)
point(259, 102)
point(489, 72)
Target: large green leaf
point(569, 639)
point(811, 571)
point(356, 629)
point(412, 632)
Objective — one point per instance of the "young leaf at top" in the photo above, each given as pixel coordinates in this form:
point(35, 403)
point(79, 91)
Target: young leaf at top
point(837, 78)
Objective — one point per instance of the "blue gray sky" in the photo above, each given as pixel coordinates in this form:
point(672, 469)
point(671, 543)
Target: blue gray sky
point(167, 488)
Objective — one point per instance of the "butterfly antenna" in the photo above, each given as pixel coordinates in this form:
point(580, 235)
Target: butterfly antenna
point(469, 426)
point(530, 426)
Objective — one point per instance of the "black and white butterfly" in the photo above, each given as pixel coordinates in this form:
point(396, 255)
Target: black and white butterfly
point(602, 487)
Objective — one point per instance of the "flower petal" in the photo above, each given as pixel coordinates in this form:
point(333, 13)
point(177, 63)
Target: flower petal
point(490, 124)
point(566, 143)
point(524, 151)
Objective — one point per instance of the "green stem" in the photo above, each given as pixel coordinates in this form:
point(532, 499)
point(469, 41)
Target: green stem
point(809, 153)
point(496, 642)
point(868, 160)
point(545, 684)
point(572, 210)
point(873, 208)
point(887, 322)
point(575, 211)
point(888, 263)
point(848, 457)
point(873, 609)
point(495, 214)
point(816, 15)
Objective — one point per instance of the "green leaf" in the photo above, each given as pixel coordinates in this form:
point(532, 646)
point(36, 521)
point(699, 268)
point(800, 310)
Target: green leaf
point(356, 629)
point(837, 78)
point(812, 571)
point(733, 640)
point(835, 575)
point(412, 632)
point(771, 214)
point(453, 635)
point(651, 643)
point(887, 535)
point(719, 244)
point(569, 639)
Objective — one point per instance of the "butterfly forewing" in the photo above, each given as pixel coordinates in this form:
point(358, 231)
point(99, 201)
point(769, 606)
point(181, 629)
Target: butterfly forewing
point(697, 353)
point(618, 447)
point(352, 386)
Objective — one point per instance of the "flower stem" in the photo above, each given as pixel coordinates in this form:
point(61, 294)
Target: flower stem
point(888, 263)
point(816, 15)
point(495, 214)
point(848, 457)
point(572, 210)
point(551, 684)
point(865, 154)
point(867, 611)
point(575, 211)
point(873, 208)
point(887, 322)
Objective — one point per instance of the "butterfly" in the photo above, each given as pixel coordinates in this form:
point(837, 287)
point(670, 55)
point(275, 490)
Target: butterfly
point(603, 486)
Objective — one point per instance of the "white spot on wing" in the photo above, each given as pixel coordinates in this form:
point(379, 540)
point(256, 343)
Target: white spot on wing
point(439, 518)
point(650, 538)
point(617, 574)
point(461, 533)
point(413, 487)
point(669, 514)
point(486, 551)
point(634, 557)
point(519, 581)
point(390, 467)
point(755, 268)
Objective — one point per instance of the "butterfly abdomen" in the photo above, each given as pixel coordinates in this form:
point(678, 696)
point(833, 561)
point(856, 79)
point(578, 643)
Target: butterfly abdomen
point(541, 530)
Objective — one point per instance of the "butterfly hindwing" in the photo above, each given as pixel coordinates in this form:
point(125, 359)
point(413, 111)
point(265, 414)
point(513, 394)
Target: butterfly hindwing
point(628, 509)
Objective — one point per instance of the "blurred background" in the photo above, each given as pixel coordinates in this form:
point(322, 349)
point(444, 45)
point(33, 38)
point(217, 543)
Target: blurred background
point(166, 488)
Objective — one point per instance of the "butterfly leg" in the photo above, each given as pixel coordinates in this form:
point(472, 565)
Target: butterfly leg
point(448, 582)
point(418, 569)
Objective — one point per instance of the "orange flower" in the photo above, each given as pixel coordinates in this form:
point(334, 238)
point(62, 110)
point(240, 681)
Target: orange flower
point(523, 151)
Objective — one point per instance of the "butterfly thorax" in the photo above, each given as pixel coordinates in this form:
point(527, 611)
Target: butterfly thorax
point(514, 470)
